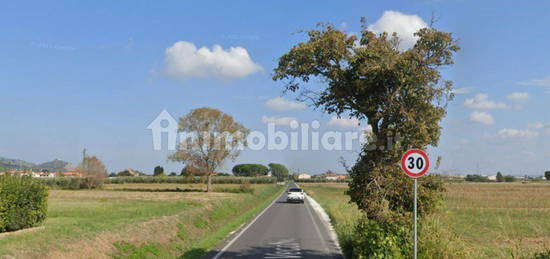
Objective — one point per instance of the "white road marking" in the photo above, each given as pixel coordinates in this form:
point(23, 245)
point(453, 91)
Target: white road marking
point(317, 229)
point(245, 228)
point(288, 248)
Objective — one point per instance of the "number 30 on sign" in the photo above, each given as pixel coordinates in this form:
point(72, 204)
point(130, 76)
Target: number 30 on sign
point(415, 163)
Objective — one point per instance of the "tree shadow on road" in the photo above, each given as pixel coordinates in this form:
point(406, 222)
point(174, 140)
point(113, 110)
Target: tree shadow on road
point(193, 253)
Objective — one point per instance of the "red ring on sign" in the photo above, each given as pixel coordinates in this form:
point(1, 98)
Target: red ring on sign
point(421, 153)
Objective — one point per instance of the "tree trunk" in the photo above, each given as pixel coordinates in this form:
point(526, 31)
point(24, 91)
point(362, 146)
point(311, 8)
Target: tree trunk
point(209, 185)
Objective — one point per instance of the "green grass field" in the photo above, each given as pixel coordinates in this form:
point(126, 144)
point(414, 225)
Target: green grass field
point(132, 224)
point(492, 220)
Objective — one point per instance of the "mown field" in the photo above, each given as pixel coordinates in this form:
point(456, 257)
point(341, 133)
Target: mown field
point(114, 223)
point(491, 220)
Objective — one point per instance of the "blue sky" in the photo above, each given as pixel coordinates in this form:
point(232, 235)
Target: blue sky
point(94, 75)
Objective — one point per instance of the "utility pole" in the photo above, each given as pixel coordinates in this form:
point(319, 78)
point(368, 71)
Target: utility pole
point(83, 155)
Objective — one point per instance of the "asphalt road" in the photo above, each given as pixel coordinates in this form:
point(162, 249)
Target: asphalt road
point(284, 230)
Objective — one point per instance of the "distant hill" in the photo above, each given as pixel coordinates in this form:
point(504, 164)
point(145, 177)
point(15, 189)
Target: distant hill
point(53, 166)
point(17, 164)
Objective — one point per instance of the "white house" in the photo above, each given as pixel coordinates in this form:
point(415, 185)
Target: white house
point(304, 176)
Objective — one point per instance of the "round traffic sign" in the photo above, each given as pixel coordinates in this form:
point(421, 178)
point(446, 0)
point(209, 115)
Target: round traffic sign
point(415, 163)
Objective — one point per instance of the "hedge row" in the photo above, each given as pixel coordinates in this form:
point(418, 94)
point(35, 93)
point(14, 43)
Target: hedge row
point(23, 202)
point(189, 180)
point(70, 183)
point(321, 180)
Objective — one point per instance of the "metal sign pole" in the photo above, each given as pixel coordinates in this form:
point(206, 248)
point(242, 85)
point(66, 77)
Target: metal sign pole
point(415, 237)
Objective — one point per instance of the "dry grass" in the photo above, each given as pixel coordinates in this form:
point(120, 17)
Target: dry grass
point(91, 223)
point(157, 186)
point(499, 220)
point(145, 196)
point(494, 220)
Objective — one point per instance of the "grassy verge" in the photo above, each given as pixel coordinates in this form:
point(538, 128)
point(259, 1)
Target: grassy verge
point(109, 223)
point(480, 220)
point(332, 197)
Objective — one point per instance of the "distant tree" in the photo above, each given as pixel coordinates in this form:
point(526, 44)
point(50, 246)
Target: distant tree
point(93, 172)
point(500, 178)
point(438, 163)
point(223, 174)
point(158, 171)
point(509, 178)
point(250, 170)
point(191, 171)
point(476, 178)
point(173, 174)
point(547, 175)
point(211, 137)
point(113, 174)
point(278, 170)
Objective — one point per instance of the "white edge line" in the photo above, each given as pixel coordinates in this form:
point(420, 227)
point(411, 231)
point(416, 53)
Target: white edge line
point(245, 228)
point(325, 219)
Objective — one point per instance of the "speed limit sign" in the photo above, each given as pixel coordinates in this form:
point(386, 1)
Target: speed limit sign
point(415, 163)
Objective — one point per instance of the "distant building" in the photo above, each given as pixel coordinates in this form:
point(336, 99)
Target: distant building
point(70, 174)
point(335, 177)
point(304, 176)
point(128, 172)
point(492, 177)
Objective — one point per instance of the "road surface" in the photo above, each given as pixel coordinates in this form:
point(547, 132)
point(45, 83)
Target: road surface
point(283, 230)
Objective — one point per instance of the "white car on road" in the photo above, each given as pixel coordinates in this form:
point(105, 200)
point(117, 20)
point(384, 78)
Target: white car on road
point(295, 195)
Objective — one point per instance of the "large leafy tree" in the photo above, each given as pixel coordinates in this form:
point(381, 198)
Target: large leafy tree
point(278, 170)
point(400, 94)
point(211, 137)
point(250, 170)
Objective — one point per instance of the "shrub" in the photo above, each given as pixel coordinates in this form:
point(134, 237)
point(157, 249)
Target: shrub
point(93, 172)
point(23, 203)
point(542, 255)
point(64, 183)
point(509, 179)
point(372, 239)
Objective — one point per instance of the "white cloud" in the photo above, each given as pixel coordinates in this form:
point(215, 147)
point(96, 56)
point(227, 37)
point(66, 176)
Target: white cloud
point(482, 117)
point(184, 61)
point(344, 123)
point(545, 82)
point(518, 97)
point(543, 127)
point(515, 133)
point(281, 104)
point(462, 90)
point(405, 25)
point(279, 121)
point(481, 101)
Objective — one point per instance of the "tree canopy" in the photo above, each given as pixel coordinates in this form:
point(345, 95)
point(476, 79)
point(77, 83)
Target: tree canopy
point(158, 171)
point(210, 138)
point(250, 170)
point(278, 170)
point(400, 94)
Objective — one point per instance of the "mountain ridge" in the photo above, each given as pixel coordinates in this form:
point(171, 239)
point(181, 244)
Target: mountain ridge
point(19, 164)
